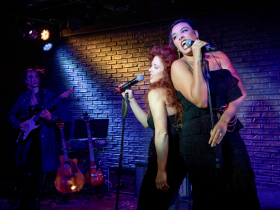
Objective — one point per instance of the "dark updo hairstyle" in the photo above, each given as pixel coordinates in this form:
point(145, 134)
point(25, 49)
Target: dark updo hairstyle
point(188, 21)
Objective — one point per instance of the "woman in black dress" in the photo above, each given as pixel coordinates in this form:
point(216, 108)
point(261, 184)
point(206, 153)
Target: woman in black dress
point(164, 174)
point(234, 186)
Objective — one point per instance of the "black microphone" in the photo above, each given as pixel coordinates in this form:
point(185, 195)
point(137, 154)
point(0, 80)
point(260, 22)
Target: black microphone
point(139, 78)
point(208, 47)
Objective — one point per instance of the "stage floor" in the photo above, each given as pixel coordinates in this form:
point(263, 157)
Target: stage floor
point(90, 202)
point(87, 201)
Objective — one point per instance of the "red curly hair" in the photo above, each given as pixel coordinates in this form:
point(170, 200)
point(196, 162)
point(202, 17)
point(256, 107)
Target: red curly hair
point(167, 55)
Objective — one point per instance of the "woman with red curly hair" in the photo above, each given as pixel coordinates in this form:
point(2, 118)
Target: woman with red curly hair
point(163, 175)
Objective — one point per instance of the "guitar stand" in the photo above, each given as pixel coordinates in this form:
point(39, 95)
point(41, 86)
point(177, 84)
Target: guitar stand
point(99, 191)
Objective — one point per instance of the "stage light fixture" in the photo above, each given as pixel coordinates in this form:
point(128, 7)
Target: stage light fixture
point(45, 34)
point(47, 46)
point(33, 34)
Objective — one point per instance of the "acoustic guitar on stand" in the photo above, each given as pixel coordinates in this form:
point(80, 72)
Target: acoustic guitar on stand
point(69, 178)
point(31, 123)
point(94, 174)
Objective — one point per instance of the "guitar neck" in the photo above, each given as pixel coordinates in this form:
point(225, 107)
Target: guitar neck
point(51, 105)
point(64, 149)
point(90, 147)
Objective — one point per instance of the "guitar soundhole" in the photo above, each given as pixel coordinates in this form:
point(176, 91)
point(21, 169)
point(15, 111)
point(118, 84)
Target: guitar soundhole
point(67, 165)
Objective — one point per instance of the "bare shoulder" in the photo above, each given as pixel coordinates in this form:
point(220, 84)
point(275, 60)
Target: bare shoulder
point(157, 96)
point(178, 62)
point(157, 93)
point(180, 66)
point(219, 55)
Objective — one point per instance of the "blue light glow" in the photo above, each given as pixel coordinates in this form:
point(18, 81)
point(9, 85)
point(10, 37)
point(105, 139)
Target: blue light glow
point(47, 47)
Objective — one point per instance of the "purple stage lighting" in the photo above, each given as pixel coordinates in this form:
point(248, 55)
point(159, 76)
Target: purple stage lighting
point(33, 34)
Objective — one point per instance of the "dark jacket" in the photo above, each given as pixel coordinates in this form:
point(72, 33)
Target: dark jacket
point(21, 111)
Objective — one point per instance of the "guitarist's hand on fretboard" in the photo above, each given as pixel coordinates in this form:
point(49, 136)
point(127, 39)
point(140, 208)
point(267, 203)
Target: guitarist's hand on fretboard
point(46, 114)
point(32, 123)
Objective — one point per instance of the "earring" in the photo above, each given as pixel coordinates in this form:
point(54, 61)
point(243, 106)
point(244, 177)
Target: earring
point(179, 53)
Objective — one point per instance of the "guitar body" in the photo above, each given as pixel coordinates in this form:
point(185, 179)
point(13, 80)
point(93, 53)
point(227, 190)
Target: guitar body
point(69, 178)
point(30, 125)
point(93, 176)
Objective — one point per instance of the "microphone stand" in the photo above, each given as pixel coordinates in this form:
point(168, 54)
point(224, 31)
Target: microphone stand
point(124, 113)
point(206, 72)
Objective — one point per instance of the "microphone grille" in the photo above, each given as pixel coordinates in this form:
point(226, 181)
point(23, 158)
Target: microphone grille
point(140, 77)
point(189, 42)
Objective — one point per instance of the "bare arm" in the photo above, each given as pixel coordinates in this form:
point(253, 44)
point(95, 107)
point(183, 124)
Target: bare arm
point(233, 107)
point(191, 84)
point(158, 109)
point(139, 113)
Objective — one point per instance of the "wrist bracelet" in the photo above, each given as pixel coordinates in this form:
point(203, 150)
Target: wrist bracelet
point(224, 120)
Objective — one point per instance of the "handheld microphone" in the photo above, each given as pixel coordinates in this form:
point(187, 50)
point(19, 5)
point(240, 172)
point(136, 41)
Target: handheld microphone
point(139, 78)
point(208, 47)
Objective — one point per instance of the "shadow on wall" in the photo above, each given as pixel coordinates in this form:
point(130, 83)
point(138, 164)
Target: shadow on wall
point(93, 93)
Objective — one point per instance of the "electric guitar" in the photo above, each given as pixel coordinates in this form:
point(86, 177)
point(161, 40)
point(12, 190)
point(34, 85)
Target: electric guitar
point(69, 178)
point(94, 176)
point(31, 123)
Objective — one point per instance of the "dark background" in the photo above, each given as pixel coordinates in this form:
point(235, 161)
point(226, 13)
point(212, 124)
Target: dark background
point(248, 32)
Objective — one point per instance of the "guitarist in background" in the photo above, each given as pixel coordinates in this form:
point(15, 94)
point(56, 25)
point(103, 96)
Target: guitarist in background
point(40, 150)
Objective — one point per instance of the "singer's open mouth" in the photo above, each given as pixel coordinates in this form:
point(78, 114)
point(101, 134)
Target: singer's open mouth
point(183, 44)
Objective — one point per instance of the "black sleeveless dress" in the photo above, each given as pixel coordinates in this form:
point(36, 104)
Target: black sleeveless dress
point(149, 196)
point(234, 187)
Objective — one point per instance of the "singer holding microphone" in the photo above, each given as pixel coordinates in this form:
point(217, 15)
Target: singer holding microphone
point(164, 173)
point(233, 186)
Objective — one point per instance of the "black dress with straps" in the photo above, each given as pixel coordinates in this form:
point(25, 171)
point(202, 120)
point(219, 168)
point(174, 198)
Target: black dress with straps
point(235, 188)
point(149, 196)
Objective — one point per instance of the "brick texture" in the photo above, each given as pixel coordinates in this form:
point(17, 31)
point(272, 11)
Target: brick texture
point(96, 63)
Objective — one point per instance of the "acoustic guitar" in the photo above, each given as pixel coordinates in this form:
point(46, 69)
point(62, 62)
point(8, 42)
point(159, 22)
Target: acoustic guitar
point(94, 175)
point(69, 178)
point(31, 123)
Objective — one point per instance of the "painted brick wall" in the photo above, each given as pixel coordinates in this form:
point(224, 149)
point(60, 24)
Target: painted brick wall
point(98, 62)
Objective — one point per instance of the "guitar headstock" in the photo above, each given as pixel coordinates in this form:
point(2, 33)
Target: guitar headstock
point(60, 123)
point(67, 93)
point(86, 118)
